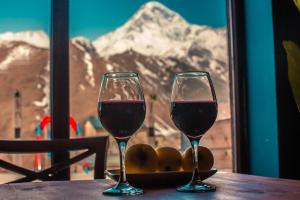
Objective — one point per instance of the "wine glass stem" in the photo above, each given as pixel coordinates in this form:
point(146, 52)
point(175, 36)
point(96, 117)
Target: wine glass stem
point(122, 149)
point(195, 144)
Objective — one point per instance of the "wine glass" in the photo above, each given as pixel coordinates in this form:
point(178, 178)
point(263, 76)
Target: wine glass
point(121, 110)
point(194, 110)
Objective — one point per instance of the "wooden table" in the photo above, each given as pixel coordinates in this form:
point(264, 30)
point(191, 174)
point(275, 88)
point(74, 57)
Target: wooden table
point(229, 186)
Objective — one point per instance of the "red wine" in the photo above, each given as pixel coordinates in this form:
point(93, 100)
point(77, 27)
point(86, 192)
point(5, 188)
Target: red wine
point(121, 118)
point(194, 118)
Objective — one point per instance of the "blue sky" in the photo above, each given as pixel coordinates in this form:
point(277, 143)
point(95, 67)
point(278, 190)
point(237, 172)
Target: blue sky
point(92, 18)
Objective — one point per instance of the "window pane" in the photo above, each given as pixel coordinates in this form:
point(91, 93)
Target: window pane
point(24, 73)
point(156, 39)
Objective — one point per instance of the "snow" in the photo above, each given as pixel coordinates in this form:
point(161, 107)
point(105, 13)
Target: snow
point(36, 38)
point(159, 63)
point(81, 86)
point(44, 102)
point(161, 33)
point(109, 67)
point(162, 127)
point(19, 53)
point(84, 45)
point(116, 96)
point(89, 69)
point(170, 62)
point(37, 117)
point(144, 71)
point(143, 33)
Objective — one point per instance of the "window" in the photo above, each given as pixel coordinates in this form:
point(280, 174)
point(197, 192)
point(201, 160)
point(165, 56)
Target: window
point(156, 39)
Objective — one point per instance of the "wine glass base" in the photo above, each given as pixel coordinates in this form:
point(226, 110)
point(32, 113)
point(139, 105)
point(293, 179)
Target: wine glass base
point(123, 189)
point(197, 186)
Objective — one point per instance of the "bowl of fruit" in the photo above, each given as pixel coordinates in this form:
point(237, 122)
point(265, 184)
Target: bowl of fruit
point(163, 166)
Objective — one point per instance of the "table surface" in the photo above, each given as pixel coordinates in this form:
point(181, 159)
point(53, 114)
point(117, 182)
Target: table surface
point(230, 186)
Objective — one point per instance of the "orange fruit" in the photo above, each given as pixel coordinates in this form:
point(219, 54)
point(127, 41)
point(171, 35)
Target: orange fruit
point(169, 159)
point(205, 159)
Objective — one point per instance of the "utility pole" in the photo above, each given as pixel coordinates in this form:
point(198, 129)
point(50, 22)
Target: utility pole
point(17, 159)
point(17, 114)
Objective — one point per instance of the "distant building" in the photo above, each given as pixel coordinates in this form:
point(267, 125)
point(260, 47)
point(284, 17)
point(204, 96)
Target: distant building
point(93, 127)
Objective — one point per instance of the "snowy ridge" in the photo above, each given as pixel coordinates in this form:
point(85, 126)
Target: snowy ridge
point(19, 53)
point(82, 43)
point(162, 127)
point(85, 45)
point(89, 77)
point(157, 30)
point(36, 38)
point(143, 32)
point(143, 70)
point(44, 102)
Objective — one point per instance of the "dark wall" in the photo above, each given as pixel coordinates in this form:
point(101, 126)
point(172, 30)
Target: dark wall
point(286, 22)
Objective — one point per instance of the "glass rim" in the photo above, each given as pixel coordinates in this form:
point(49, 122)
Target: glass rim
point(192, 74)
point(120, 74)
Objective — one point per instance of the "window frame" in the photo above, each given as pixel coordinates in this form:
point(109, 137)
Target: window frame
point(238, 85)
point(59, 79)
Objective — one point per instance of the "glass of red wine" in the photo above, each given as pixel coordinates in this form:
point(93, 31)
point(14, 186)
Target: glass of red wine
point(194, 110)
point(121, 110)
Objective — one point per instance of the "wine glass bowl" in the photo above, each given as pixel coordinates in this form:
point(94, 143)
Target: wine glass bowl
point(194, 110)
point(194, 118)
point(121, 110)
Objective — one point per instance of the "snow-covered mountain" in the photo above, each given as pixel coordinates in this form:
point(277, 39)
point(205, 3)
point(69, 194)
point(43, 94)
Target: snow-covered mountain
point(36, 38)
point(156, 42)
point(157, 30)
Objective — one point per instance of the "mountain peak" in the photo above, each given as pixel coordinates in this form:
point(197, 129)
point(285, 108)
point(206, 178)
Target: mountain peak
point(36, 38)
point(154, 12)
point(157, 31)
point(153, 4)
point(149, 31)
point(155, 8)
point(83, 43)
